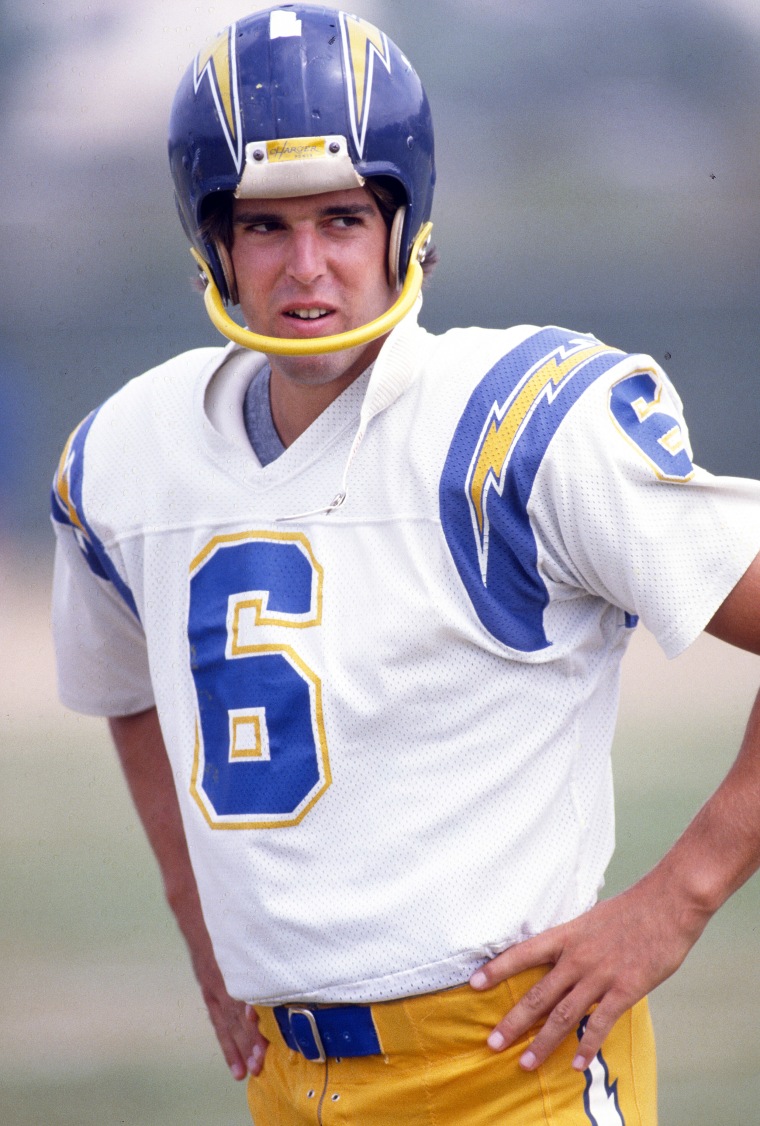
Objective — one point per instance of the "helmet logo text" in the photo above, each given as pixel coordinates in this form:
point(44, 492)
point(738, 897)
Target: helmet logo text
point(218, 64)
point(362, 44)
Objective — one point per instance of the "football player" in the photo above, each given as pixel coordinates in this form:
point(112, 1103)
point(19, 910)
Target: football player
point(355, 598)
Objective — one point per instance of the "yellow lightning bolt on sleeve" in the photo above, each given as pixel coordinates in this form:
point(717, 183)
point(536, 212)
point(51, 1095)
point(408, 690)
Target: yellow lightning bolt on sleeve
point(497, 444)
point(62, 480)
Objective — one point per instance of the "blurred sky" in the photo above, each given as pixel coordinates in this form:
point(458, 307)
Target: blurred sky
point(599, 167)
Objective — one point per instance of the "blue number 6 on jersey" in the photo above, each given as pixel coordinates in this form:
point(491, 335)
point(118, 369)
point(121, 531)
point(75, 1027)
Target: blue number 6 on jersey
point(660, 438)
point(260, 751)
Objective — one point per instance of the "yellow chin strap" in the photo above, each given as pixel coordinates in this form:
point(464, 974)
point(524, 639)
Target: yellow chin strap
point(319, 345)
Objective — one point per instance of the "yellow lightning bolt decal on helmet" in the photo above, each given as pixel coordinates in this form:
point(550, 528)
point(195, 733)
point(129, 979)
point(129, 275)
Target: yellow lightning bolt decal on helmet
point(319, 345)
point(363, 43)
point(217, 64)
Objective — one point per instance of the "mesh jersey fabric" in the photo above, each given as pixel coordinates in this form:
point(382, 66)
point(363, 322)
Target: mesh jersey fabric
point(387, 773)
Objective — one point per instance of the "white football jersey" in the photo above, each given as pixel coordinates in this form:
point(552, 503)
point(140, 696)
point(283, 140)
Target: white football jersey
point(386, 664)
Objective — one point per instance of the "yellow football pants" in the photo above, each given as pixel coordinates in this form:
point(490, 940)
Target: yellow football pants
point(437, 1070)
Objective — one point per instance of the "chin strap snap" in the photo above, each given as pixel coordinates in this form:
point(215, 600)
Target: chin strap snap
point(319, 345)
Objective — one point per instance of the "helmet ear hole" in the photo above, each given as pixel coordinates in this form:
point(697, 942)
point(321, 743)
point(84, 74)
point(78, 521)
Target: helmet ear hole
point(395, 266)
point(228, 270)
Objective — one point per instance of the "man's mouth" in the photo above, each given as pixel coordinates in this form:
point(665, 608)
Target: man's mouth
point(307, 314)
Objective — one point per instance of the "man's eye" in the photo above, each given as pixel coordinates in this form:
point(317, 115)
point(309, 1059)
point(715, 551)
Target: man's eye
point(343, 222)
point(265, 227)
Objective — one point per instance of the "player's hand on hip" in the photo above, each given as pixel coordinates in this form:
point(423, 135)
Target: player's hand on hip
point(237, 1029)
point(610, 958)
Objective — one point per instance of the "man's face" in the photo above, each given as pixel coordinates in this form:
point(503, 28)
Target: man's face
point(312, 266)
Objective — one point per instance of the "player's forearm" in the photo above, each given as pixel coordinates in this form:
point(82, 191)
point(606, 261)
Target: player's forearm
point(720, 849)
point(143, 757)
point(141, 749)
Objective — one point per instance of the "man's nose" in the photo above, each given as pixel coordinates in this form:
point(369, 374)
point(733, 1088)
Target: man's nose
point(306, 259)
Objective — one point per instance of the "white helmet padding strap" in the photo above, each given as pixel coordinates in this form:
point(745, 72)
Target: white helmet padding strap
point(297, 166)
point(225, 259)
point(396, 268)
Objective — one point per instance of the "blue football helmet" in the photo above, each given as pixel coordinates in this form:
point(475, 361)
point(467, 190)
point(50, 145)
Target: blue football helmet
point(299, 100)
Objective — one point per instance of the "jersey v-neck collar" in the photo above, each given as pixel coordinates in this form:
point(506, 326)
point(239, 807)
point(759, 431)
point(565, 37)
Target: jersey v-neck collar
point(220, 404)
point(222, 386)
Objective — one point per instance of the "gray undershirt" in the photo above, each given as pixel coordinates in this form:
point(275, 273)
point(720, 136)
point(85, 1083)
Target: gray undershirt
point(257, 416)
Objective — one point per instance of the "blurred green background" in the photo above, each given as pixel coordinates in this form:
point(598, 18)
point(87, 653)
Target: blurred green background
point(599, 168)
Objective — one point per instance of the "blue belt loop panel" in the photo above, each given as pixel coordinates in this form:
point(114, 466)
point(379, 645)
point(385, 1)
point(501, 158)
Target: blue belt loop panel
point(343, 1031)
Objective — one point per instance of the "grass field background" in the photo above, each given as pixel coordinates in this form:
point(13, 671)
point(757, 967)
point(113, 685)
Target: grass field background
point(100, 1022)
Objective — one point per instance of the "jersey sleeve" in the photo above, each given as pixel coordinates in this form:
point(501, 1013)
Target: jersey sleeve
point(100, 646)
point(621, 510)
point(101, 655)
